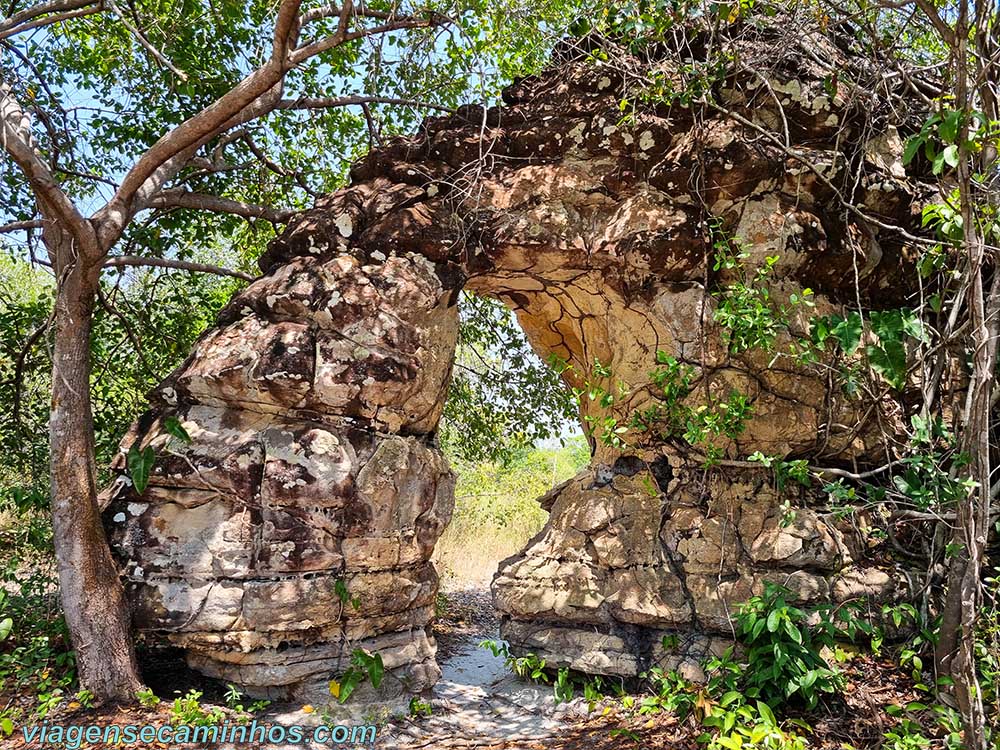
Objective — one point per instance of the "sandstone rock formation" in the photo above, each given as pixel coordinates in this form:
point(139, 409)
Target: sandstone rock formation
point(313, 477)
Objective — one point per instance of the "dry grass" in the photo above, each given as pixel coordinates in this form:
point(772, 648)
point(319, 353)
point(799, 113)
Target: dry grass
point(496, 512)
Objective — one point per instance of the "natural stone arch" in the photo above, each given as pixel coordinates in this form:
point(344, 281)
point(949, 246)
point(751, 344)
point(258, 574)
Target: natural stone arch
point(313, 403)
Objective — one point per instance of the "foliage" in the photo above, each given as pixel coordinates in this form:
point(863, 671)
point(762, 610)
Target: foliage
point(745, 726)
point(235, 700)
point(365, 666)
point(988, 649)
point(528, 667)
point(565, 681)
point(669, 692)
point(171, 310)
point(419, 708)
point(35, 656)
point(782, 651)
point(750, 318)
point(188, 709)
point(721, 707)
point(703, 425)
point(496, 506)
point(502, 399)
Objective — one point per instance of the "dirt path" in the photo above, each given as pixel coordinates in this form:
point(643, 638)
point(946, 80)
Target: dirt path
point(477, 702)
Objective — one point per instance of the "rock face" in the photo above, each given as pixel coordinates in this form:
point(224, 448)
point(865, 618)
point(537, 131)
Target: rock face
point(298, 523)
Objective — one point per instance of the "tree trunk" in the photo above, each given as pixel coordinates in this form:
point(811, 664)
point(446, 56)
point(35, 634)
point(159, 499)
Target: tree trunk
point(93, 598)
point(955, 654)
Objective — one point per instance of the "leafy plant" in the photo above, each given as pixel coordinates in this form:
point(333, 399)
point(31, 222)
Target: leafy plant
point(147, 698)
point(187, 709)
point(744, 726)
point(340, 589)
point(235, 700)
point(418, 708)
point(36, 657)
point(782, 651)
point(364, 666)
point(670, 692)
point(750, 318)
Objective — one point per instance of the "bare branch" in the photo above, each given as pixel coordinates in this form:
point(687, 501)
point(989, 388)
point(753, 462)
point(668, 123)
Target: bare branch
point(374, 139)
point(329, 11)
point(20, 226)
point(47, 13)
point(942, 28)
point(335, 40)
point(120, 261)
point(202, 201)
point(16, 139)
point(305, 102)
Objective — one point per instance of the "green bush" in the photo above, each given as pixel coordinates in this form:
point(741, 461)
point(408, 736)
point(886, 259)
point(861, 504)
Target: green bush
point(782, 652)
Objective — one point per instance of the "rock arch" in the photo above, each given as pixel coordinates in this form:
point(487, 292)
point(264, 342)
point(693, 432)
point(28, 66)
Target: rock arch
point(299, 522)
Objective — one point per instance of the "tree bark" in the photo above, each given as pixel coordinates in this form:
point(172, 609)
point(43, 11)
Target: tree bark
point(956, 650)
point(93, 598)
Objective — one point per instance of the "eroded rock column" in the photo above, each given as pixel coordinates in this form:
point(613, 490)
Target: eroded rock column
point(298, 522)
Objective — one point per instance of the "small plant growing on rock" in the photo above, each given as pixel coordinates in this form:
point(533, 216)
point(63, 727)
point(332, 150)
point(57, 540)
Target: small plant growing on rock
point(364, 666)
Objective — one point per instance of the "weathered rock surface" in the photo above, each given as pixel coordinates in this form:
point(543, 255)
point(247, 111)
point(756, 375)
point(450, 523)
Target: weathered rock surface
point(313, 404)
point(298, 523)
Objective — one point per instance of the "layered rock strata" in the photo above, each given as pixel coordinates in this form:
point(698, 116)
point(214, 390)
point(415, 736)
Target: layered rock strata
point(298, 523)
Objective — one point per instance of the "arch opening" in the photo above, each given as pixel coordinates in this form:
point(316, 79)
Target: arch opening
point(299, 523)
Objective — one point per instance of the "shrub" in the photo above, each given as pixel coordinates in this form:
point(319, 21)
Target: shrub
point(783, 653)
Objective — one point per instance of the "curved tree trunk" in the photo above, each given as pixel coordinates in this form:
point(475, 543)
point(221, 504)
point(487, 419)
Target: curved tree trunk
point(92, 596)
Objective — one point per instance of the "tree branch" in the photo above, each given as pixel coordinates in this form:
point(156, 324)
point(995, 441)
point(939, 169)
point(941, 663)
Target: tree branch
point(205, 202)
point(303, 53)
point(39, 15)
point(305, 102)
point(20, 226)
point(165, 157)
point(120, 261)
point(145, 43)
point(16, 139)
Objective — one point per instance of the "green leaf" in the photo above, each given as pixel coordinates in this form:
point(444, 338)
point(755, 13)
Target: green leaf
point(889, 361)
point(730, 697)
point(174, 427)
point(767, 713)
point(7, 727)
point(793, 632)
point(950, 156)
point(773, 620)
point(139, 465)
point(376, 670)
point(340, 589)
point(912, 147)
point(950, 123)
point(6, 625)
point(937, 164)
point(847, 331)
